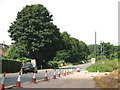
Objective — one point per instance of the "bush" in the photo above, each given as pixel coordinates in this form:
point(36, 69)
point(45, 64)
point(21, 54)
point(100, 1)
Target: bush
point(103, 66)
point(55, 64)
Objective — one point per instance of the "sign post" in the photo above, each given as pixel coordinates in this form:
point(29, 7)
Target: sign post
point(41, 67)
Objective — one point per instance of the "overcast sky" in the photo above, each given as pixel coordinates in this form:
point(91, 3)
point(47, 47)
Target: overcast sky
point(80, 18)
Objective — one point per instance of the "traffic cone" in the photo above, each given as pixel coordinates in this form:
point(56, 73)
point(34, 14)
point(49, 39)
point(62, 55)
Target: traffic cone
point(59, 72)
point(78, 69)
point(71, 71)
point(46, 79)
point(34, 77)
point(18, 84)
point(67, 71)
point(54, 76)
point(2, 82)
point(64, 73)
point(98, 72)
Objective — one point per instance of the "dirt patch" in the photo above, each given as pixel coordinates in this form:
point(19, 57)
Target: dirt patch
point(108, 81)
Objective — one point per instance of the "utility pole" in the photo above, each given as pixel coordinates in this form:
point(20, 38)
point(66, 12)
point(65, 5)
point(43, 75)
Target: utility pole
point(101, 51)
point(95, 46)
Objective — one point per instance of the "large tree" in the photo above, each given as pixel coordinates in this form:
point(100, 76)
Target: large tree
point(34, 29)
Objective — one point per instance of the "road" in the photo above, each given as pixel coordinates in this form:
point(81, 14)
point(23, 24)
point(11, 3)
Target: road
point(10, 80)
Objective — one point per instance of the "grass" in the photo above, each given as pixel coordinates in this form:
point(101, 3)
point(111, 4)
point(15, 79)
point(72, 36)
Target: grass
point(44, 69)
point(104, 66)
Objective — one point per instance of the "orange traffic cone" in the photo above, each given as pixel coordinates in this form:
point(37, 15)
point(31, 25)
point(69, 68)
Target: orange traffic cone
point(98, 72)
point(71, 71)
point(64, 73)
point(46, 79)
point(54, 76)
point(59, 73)
point(18, 84)
point(67, 71)
point(78, 69)
point(34, 77)
point(2, 82)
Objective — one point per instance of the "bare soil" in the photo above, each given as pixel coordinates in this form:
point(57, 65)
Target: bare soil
point(108, 81)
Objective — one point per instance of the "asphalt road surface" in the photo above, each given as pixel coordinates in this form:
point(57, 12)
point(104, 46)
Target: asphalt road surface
point(10, 80)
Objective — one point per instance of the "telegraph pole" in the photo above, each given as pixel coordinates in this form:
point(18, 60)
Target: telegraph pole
point(101, 51)
point(95, 46)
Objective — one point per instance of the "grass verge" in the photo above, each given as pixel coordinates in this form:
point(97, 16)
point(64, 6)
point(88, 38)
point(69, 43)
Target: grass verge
point(103, 66)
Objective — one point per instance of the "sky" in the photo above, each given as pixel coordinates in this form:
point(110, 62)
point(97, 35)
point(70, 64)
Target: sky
point(80, 18)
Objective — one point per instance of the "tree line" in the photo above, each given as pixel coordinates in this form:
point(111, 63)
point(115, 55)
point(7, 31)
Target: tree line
point(36, 37)
point(104, 51)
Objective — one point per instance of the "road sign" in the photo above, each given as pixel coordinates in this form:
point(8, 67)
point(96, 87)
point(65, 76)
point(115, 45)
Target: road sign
point(92, 60)
point(33, 62)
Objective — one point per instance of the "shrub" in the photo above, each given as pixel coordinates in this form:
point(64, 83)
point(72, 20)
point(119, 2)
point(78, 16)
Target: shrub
point(103, 66)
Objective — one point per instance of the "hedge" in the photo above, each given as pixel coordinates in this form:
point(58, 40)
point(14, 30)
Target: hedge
point(9, 66)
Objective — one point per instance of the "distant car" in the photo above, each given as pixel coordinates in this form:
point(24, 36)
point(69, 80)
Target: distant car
point(28, 68)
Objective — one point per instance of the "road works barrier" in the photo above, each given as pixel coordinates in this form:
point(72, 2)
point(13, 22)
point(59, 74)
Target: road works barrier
point(78, 69)
point(34, 77)
point(2, 82)
point(64, 73)
point(59, 72)
point(46, 76)
point(18, 84)
point(54, 76)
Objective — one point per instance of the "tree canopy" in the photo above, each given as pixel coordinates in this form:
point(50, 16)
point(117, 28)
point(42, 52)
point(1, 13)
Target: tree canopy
point(36, 37)
point(34, 29)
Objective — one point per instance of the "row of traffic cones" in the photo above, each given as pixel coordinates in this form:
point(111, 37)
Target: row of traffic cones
point(67, 71)
point(18, 83)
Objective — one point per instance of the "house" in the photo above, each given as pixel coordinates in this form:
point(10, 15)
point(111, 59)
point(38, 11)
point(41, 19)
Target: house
point(3, 50)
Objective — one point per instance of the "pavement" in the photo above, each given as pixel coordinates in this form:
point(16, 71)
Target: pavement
point(75, 80)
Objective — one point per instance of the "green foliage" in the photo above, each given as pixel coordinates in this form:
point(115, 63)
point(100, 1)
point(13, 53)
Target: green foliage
point(15, 51)
point(113, 56)
point(36, 37)
point(62, 55)
point(34, 30)
point(73, 50)
point(107, 49)
point(79, 51)
point(66, 41)
point(103, 66)
point(55, 64)
point(92, 48)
